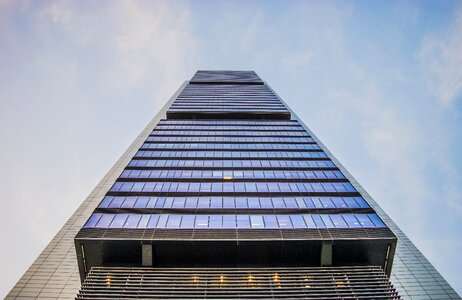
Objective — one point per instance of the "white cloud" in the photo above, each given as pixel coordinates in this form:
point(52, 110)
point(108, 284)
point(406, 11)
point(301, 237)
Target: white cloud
point(149, 38)
point(141, 39)
point(441, 57)
point(296, 60)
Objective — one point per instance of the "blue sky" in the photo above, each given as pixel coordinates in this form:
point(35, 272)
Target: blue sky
point(379, 82)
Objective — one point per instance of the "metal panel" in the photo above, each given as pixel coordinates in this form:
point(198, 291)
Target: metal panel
point(242, 283)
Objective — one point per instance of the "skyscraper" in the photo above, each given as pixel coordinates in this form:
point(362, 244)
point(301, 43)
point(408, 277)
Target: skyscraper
point(227, 194)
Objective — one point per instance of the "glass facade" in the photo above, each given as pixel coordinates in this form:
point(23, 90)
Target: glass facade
point(230, 164)
point(227, 176)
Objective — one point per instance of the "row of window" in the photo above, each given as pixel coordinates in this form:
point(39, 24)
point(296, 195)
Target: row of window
point(222, 87)
point(238, 97)
point(228, 127)
point(217, 90)
point(234, 187)
point(175, 221)
point(228, 100)
point(230, 174)
point(269, 110)
point(178, 163)
point(227, 122)
point(230, 154)
point(232, 146)
point(220, 139)
point(233, 202)
point(229, 133)
point(224, 105)
point(221, 93)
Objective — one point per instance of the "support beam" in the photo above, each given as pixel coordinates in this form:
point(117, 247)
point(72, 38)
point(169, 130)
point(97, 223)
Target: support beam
point(146, 255)
point(326, 254)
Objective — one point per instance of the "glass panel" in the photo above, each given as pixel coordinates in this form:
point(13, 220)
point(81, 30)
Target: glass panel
point(243, 221)
point(215, 221)
point(118, 221)
point(257, 221)
point(116, 202)
point(91, 223)
point(284, 221)
point(153, 221)
point(144, 221)
point(309, 221)
point(202, 221)
point(351, 220)
point(361, 202)
point(173, 221)
point(318, 221)
point(186, 221)
point(338, 221)
point(105, 202)
point(129, 202)
point(229, 221)
point(105, 220)
point(327, 221)
point(162, 221)
point(297, 221)
point(132, 221)
point(326, 202)
point(253, 202)
point(271, 222)
point(350, 202)
point(376, 220)
point(141, 202)
point(364, 221)
point(338, 202)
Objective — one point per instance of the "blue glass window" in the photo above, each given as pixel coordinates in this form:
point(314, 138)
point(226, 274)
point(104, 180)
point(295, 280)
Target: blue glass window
point(351, 220)
point(202, 221)
point(141, 202)
point(361, 202)
point(188, 221)
point(327, 221)
point(297, 221)
point(144, 221)
point(105, 202)
point(364, 221)
point(173, 221)
point(132, 221)
point(241, 221)
point(162, 221)
point(105, 221)
point(257, 221)
point(94, 218)
point(118, 221)
point(318, 221)
point(309, 221)
point(284, 221)
point(229, 221)
point(376, 220)
point(153, 221)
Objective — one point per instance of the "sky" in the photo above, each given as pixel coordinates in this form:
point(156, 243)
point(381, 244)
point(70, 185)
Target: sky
point(379, 82)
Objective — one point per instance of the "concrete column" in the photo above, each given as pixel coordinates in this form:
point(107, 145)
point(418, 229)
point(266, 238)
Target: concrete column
point(326, 254)
point(146, 255)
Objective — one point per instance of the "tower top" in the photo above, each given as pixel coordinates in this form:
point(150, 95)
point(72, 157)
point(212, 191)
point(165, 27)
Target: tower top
point(226, 77)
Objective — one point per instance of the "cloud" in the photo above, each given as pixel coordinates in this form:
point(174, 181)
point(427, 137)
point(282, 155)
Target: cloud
point(152, 37)
point(441, 57)
point(296, 60)
point(139, 39)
